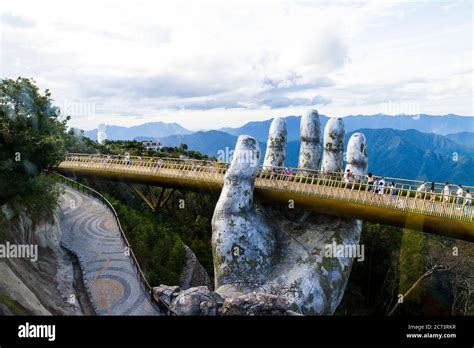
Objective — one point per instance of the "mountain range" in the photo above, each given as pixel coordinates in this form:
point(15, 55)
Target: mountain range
point(420, 147)
point(392, 153)
point(149, 130)
point(443, 125)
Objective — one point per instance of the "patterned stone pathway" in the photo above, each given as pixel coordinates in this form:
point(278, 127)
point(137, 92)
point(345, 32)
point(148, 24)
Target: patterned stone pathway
point(92, 234)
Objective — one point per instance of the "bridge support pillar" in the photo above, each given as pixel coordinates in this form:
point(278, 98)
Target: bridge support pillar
point(154, 197)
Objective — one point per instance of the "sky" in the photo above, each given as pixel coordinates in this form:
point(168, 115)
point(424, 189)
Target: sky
point(212, 64)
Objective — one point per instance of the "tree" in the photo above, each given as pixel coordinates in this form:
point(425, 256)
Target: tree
point(31, 140)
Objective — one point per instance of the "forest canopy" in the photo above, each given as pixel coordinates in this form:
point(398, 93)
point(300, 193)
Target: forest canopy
point(31, 140)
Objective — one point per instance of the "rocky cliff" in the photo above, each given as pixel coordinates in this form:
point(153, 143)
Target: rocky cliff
point(193, 273)
point(50, 285)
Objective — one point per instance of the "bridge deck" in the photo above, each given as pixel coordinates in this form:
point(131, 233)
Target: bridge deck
point(315, 190)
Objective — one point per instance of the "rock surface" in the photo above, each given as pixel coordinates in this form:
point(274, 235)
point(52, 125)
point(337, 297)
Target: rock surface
point(197, 301)
point(357, 154)
point(276, 144)
point(310, 148)
point(44, 287)
point(193, 273)
point(333, 154)
point(255, 304)
point(204, 302)
point(243, 244)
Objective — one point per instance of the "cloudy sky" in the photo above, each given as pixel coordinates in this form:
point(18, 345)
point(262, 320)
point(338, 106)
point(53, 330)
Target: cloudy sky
point(208, 64)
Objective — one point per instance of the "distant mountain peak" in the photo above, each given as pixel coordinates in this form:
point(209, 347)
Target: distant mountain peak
point(155, 130)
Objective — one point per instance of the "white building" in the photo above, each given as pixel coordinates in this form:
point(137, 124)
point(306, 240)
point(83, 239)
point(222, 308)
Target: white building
point(153, 145)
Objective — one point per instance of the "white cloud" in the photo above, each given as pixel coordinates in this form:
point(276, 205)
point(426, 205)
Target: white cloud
point(215, 63)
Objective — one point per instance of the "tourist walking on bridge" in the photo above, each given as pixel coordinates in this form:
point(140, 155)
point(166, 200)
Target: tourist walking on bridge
point(273, 174)
point(287, 174)
point(421, 190)
point(432, 196)
point(468, 203)
point(347, 176)
point(381, 188)
point(370, 182)
point(459, 195)
point(446, 193)
point(375, 189)
point(393, 192)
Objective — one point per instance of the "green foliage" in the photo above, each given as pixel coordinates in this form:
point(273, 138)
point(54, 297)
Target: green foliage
point(159, 251)
point(31, 140)
point(373, 284)
point(76, 142)
point(411, 262)
point(395, 259)
point(12, 306)
point(120, 147)
point(193, 223)
point(452, 285)
point(135, 148)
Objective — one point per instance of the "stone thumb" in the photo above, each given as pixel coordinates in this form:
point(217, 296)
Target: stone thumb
point(237, 193)
point(242, 242)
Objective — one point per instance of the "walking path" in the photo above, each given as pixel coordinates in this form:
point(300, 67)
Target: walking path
point(92, 234)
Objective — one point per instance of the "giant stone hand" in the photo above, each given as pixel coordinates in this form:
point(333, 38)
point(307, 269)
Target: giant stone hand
point(259, 248)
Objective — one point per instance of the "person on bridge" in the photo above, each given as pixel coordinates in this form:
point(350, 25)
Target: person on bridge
point(468, 203)
point(446, 193)
point(459, 195)
point(273, 175)
point(421, 190)
point(370, 182)
point(347, 176)
point(376, 189)
point(432, 196)
point(381, 188)
point(393, 192)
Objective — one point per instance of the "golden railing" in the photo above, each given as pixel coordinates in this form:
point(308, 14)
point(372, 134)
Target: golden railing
point(404, 196)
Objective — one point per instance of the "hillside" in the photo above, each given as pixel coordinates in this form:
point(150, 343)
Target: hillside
point(416, 155)
point(462, 138)
point(211, 143)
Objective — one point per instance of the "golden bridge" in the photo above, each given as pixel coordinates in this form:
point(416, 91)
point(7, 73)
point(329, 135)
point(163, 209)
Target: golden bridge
point(325, 192)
